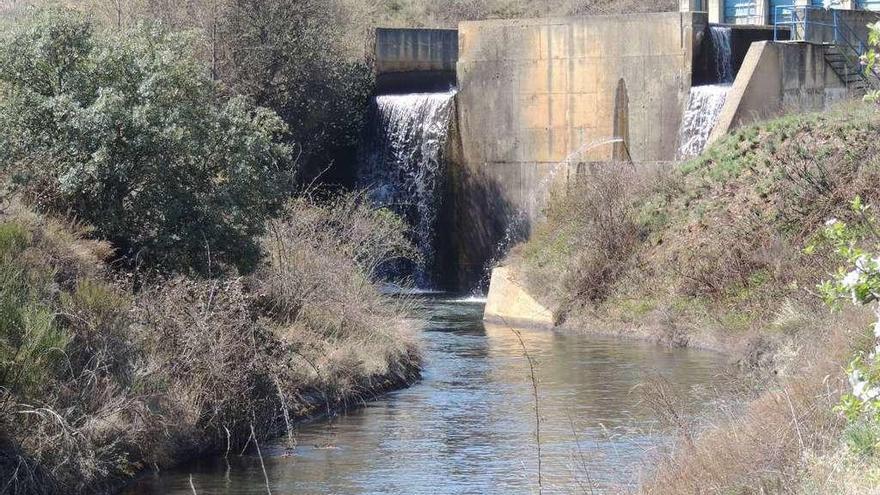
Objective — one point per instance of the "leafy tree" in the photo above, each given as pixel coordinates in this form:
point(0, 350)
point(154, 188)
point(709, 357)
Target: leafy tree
point(293, 56)
point(129, 134)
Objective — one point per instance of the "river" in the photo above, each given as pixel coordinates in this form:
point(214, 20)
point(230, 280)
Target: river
point(468, 427)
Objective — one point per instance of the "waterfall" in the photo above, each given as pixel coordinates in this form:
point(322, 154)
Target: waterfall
point(721, 48)
point(705, 102)
point(403, 168)
point(702, 112)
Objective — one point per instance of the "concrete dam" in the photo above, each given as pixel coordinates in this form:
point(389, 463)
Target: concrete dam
point(472, 128)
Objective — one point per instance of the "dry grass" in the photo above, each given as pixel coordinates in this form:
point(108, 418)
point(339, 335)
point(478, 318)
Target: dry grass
point(111, 380)
point(320, 283)
point(713, 248)
point(577, 254)
point(413, 13)
point(762, 446)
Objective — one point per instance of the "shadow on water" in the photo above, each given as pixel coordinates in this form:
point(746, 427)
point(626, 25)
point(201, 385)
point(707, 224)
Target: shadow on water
point(468, 426)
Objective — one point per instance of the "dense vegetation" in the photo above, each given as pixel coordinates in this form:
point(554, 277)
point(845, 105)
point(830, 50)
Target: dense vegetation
point(164, 291)
point(127, 134)
point(726, 251)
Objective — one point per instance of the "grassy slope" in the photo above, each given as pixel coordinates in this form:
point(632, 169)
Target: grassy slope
point(719, 247)
point(712, 253)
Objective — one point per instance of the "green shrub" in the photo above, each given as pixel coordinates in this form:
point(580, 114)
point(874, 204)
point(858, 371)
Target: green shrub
point(862, 438)
point(130, 134)
point(39, 352)
point(31, 343)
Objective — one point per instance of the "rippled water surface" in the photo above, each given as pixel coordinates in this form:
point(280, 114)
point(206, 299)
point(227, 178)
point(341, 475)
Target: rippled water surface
point(469, 427)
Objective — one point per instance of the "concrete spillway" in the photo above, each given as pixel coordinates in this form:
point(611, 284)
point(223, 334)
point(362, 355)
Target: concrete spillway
point(531, 91)
point(403, 168)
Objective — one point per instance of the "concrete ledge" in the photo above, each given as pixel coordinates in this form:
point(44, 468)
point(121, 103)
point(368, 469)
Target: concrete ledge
point(754, 94)
point(508, 303)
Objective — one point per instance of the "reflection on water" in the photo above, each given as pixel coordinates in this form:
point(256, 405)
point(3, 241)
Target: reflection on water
point(468, 427)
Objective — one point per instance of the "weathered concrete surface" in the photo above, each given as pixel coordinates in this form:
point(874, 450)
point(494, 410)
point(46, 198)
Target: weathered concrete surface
point(818, 25)
point(715, 8)
point(534, 91)
point(778, 78)
point(411, 60)
point(538, 97)
point(509, 303)
point(693, 5)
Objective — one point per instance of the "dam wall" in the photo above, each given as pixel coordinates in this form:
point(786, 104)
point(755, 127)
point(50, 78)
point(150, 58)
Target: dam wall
point(415, 60)
point(539, 97)
point(539, 100)
point(780, 78)
point(534, 91)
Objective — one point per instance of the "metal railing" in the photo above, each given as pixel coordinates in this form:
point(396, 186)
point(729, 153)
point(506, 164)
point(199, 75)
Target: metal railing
point(798, 20)
point(803, 21)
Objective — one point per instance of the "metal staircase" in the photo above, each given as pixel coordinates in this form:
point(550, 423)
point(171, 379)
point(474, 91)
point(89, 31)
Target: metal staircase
point(849, 71)
point(844, 48)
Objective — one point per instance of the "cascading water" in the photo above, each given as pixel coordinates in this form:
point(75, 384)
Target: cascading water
point(723, 59)
point(702, 112)
point(403, 168)
point(705, 102)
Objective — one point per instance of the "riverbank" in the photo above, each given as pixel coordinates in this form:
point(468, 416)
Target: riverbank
point(111, 372)
point(711, 251)
point(469, 425)
point(723, 252)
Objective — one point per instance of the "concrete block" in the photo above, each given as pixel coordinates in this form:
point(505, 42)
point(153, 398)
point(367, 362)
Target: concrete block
point(509, 303)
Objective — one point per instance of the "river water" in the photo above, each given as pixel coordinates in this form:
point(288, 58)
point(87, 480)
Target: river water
point(469, 426)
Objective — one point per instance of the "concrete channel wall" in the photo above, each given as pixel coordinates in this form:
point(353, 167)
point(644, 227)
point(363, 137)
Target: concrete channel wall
point(779, 78)
point(415, 60)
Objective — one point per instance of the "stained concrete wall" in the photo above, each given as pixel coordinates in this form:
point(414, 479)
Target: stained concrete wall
point(537, 97)
point(534, 92)
point(778, 78)
point(413, 60)
point(817, 25)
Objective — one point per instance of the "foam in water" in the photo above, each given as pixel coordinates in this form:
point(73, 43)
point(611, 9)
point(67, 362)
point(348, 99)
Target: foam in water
point(702, 112)
point(721, 47)
point(403, 166)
